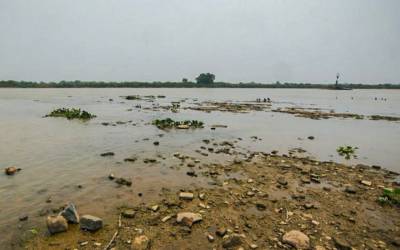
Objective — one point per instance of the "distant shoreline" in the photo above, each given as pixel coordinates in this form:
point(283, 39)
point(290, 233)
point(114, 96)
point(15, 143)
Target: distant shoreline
point(92, 84)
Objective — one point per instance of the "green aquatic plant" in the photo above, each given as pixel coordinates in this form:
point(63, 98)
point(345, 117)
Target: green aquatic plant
point(169, 123)
point(347, 151)
point(390, 196)
point(71, 114)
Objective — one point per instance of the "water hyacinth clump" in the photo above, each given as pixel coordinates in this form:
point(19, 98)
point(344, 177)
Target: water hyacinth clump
point(169, 123)
point(347, 151)
point(72, 113)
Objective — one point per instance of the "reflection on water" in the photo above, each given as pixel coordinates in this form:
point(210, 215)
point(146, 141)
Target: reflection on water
point(57, 155)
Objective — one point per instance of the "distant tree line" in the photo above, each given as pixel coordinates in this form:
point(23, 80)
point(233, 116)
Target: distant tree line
point(204, 80)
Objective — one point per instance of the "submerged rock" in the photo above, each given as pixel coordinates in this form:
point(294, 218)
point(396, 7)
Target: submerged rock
point(70, 214)
point(91, 223)
point(11, 170)
point(107, 154)
point(296, 239)
point(56, 224)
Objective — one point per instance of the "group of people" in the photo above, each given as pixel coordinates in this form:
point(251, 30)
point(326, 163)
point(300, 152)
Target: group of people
point(263, 100)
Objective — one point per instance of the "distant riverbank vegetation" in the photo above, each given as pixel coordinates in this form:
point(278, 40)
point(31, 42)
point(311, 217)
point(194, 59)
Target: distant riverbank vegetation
point(204, 80)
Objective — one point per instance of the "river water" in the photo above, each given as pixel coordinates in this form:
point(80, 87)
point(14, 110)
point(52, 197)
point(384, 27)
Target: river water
point(57, 155)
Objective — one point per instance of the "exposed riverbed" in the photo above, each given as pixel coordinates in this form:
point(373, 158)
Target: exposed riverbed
point(60, 159)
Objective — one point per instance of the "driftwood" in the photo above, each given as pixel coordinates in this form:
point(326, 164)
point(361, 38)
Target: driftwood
point(115, 234)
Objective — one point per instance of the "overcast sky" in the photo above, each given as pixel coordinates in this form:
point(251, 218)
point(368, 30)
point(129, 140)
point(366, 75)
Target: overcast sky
point(166, 40)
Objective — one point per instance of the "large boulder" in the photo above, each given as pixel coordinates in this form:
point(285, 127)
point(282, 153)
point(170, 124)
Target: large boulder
point(91, 223)
point(70, 214)
point(56, 224)
point(296, 239)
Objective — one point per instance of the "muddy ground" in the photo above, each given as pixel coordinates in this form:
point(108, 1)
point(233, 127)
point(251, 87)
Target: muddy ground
point(250, 204)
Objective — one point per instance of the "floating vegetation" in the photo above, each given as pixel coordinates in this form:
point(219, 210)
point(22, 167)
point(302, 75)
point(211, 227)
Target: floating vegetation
point(347, 151)
point(169, 123)
point(390, 196)
point(71, 114)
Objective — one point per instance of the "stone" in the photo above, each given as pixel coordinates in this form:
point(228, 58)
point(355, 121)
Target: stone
point(188, 218)
point(341, 244)
point(296, 239)
point(111, 176)
point(10, 170)
point(311, 137)
point(366, 183)
point(156, 143)
point(232, 241)
point(221, 232)
point(186, 196)
point(91, 223)
point(70, 214)
point(166, 218)
point(155, 208)
point(210, 238)
point(130, 159)
point(23, 218)
point(56, 224)
point(141, 242)
point(123, 181)
point(282, 181)
point(350, 190)
point(107, 154)
point(128, 213)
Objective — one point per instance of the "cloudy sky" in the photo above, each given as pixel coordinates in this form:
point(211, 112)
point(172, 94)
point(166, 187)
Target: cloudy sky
point(166, 40)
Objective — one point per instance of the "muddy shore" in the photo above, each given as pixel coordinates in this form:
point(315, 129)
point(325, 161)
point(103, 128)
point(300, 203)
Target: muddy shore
point(251, 204)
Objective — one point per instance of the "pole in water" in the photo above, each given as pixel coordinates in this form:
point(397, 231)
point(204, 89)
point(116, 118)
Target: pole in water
point(337, 79)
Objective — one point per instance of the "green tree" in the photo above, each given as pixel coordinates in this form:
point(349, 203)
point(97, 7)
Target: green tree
point(205, 78)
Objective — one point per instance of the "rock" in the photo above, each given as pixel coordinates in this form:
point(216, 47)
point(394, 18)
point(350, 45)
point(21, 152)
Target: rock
point(311, 137)
point(111, 176)
point(130, 159)
point(156, 143)
point(282, 181)
point(11, 170)
point(91, 223)
point(191, 173)
point(129, 213)
point(166, 218)
point(155, 208)
point(183, 126)
point(341, 244)
point(366, 183)
point(221, 232)
point(296, 239)
point(107, 154)
point(70, 214)
point(141, 242)
point(123, 181)
point(23, 218)
point(56, 224)
point(186, 196)
point(188, 219)
point(232, 241)
point(350, 190)
point(210, 238)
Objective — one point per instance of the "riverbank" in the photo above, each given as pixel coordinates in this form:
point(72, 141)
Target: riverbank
point(253, 203)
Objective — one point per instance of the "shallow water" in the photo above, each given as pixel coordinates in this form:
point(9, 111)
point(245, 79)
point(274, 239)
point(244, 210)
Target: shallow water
point(56, 155)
